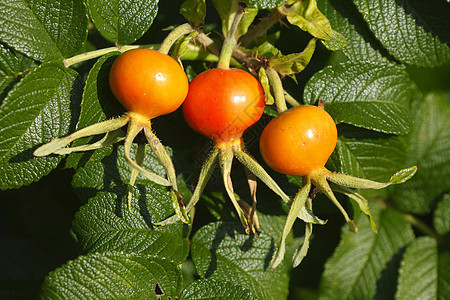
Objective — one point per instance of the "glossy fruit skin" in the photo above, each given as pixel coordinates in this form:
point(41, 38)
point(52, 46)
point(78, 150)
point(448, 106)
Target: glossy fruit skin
point(299, 140)
point(222, 103)
point(148, 82)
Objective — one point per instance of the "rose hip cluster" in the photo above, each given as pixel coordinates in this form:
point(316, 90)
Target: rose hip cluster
point(221, 104)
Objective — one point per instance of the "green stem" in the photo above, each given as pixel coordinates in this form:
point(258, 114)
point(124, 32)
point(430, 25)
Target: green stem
point(422, 226)
point(97, 53)
point(173, 36)
point(291, 100)
point(140, 156)
point(278, 90)
point(230, 41)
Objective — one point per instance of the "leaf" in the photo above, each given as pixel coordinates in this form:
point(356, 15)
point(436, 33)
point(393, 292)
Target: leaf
point(215, 289)
point(441, 220)
point(98, 104)
point(122, 22)
point(222, 251)
point(194, 11)
point(263, 4)
point(424, 272)
point(345, 18)
point(227, 11)
point(295, 62)
point(307, 16)
point(112, 174)
point(104, 224)
point(264, 80)
point(38, 109)
point(409, 30)
point(364, 94)
point(112, 275)
point(44, 29)
point(12, 66)
point(357, 264)
point(369, 154)
point(337, 42)
point(430, 151)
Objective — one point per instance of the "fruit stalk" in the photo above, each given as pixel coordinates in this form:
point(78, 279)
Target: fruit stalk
point(230, 41)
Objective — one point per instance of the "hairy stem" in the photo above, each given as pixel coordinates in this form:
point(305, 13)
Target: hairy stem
point(230, 41)
point(173, 36)
point(278, 90)
point(100, 52)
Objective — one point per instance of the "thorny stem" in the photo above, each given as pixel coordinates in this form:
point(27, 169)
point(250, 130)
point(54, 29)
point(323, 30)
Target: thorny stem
point(230, 41)
point(278, 90)
point(173, 36)
point(97, 53)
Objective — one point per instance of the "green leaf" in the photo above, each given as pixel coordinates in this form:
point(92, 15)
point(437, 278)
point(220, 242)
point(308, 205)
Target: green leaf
point(345, 18)
point(264, 80)
point(308, 17)
point(227, 11)
point(337, 42)
point(369, 154)
point(222, 251)
point(112, 275)
point(263, 4)
point(409, 30)
point(12, 66)
point(364, 94)
point(44, 29)
point(295, 62)
point(424, 272)
point(122, 22)
point(104, 224)
point(98, 104)
point(194, 11)
point(38, 109)
point(430, 151)
point(441, 220)
point(357, 264)
point(112, 174)
point(215, 289)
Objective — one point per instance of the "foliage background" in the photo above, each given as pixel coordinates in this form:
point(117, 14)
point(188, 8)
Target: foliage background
point(397, 56)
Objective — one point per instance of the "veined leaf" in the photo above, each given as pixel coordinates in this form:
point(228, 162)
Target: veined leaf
point(364, 94)
point(122, 22)
point(368, 154)
point(345, 18)
point(263, 4)
point(307, 16)
point(222, 251)
point(12, 65)
point(38, 109)
point(215, 289)
point(295, 62)
point(112, 275)
point(44, 29)
point(194, 11)
point(337, 42)
point(424, 272)
point(105, 224)
point(429, 149)
point(410, 30)
point(357, 264)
